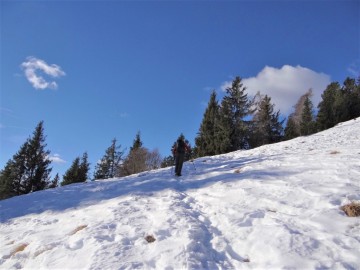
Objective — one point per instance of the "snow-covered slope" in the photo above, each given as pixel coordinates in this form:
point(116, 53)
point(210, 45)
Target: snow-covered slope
point(273, 207)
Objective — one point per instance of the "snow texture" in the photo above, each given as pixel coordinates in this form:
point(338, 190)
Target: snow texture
point(273, 207)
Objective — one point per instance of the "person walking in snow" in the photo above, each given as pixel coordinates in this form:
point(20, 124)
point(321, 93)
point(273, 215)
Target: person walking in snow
point(179, 150)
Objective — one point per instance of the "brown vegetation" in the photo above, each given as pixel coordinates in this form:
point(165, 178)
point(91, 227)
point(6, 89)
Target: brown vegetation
point(79, 228)
point(352, 209)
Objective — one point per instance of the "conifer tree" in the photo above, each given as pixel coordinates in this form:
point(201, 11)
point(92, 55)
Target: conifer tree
point(224, 129)
point(54, 183)
point(78, 172)
point(135, 162)
point(206, 144)
point(167, 162)
point(326, 117)
point(137, 143)
point(307, 124)
point(350, 105)
point(291, 130)
point(28, 170)
point(235, 107)
point(293, 126)
point(109, 164)
point(267, 128)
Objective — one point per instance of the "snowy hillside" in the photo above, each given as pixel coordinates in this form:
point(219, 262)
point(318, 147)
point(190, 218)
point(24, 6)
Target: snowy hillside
point(273, 207)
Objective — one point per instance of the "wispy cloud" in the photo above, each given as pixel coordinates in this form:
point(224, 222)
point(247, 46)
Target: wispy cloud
point(56, 159)
point(31, 68)
point(354, 68)
point(285, 85)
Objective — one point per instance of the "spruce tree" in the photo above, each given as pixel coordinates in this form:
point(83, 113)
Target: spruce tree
point(267, 128)
point(293, 126)
point(237, 106)
point(307, 124)
point(291, 130)
point(224, 129)
point(54, 183)
point(78, 172)
point(28, 170)
point(206, 144)
point(135, 162)
point(109, 164)
point(326, 117)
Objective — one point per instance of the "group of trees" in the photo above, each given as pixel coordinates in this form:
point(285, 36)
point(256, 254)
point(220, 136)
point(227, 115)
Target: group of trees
point(237, 122)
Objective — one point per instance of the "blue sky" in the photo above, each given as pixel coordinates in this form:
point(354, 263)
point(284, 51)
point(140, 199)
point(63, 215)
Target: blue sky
point(95, 70)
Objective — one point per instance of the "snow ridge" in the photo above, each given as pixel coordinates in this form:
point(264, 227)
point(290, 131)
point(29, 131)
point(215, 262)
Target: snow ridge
point(273, 207)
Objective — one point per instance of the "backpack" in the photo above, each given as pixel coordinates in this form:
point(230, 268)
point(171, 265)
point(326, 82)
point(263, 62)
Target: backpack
point(180, 147)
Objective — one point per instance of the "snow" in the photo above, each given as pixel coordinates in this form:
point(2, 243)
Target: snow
point(273, 207)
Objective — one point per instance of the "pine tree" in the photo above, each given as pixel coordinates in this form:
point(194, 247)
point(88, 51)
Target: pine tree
point(206, 144)
point(9, 181)
point(293, 126)
point(28, 170)
point(326, 117)
point(307, 124)
point(84, 168)
point(55, 182)
point(351, 93)
point(78, 172)
point(224, 129)
point(236, 106)
point(135, 162)
point(291, 130)
point(267, 128)
point(137, 143)
point(109, 164)
point(167, 162)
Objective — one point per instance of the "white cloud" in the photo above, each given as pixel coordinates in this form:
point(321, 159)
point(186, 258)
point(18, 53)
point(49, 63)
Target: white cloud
point(286, 85)
point(354, 68)
point(56, 159)
point(31, 67)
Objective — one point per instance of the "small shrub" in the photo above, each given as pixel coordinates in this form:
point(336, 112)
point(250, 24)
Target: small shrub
point(334, 152)
point(18, 249)
point(352, 209)
point(237, 171)
point(150, 239)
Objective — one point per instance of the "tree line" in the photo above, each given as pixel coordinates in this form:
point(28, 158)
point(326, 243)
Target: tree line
point(240, 122)
point(237, 122)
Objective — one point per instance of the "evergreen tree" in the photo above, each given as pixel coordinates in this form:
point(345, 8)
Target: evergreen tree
point(326, 117)
point(54, 183)
point(293, 126)
point(291, 130)
point(28, 170)
point(78, 172)
point(84, 168)
point(267, 128)
point(351, 97)
point(206, 144)
point(110, 162)
point(9, 181)
point(167, 162)
point(135, 162)
point(137, 143)
point(236, 106)
point(224, 129)
point(307, 124)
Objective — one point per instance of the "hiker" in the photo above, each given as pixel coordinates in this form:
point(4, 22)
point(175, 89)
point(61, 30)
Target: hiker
point(178, 151)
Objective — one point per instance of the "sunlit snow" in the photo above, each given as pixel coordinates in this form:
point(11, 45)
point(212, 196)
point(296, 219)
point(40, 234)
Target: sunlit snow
point(273, 207)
